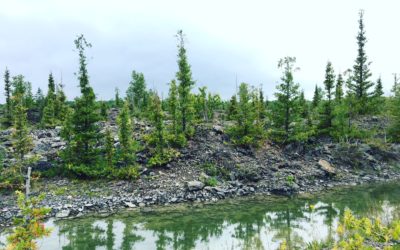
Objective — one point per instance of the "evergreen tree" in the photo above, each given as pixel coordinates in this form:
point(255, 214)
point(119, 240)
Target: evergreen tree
point(378, 92)
point(84, 130)
point(246, 131)
point(303, 106)
point(286, 111)
point(40, 101)
point(184, 77)
point(360, 84)
point(339, 89)
point(177, 137)
point(7, 89)
point(202, 105)
point(394, 129)
point(60, 106)
point(109, 148)
point(103, 110)
point(137, 94)
point(117, 98)
point(327, 109)
point(378, 100)
point(22, 142)
point(127, 145)
point(317, 97)
point(232, 108)
point(49, 111)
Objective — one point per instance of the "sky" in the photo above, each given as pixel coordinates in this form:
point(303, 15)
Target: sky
point(227, 41)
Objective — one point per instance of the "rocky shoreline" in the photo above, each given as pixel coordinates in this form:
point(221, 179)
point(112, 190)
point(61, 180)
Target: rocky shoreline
point(208, 169)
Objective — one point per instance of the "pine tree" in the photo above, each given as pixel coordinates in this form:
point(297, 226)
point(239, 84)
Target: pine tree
point(22, 142)
point(127, 145)
point(109, 148)
point(286, 110)
point(303, 106)
point(177, 137)
point(202, 105)
point(137, 94)
point(246, 131)
point(184, 77)
point(339, 89)
point(7, 89)
point(60, 106)
point(232, 108)
point(317, 97)
point(378, 92)
point(327, 109)
point(394, 129)
point(377, 98)
point(85, 131)
point(117, 98)
point(360, 84)
point(40, 102)
point(49, 112)
point(103, 110)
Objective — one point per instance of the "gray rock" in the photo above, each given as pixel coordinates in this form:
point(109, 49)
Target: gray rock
point(327, 167)
point(195, 185)
point(63, 213)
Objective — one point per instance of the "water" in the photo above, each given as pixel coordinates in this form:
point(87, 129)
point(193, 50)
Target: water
point(248, 223)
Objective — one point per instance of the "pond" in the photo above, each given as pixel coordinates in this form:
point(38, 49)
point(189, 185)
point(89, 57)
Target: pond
point(245, 223)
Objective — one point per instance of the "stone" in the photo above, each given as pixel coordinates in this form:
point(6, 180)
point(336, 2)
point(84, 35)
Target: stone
point(63, 213)
point(129, 204)
point(327, 167)
point(195, 185)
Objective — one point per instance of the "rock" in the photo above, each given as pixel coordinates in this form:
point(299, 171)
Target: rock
point(129, 204)
point(141, 204)
point(327, 167)
point(218, 129)
point(63, 213)
point(195, 185)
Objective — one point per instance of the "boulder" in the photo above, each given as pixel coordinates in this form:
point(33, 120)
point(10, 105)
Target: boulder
point(63, 213)
point(195, 185)
point(327, 167)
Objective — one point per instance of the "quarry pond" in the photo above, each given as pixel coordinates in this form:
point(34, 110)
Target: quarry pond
point(256, 222)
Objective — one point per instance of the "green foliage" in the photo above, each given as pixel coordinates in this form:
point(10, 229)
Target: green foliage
point(126, 173)
point(339, 89)
point(136, 95)
point(127, 145)
point(318, 94)
point(29, 226)
point(394, 129)
point(378, 101)
point(103, 110)
point(354, 232)
point(232, 108)
point(326, 115)
point(118, 102)
point(109, 148)
point(360, 85)
point(186, 83)
point(7, 92)
point(60, 107)
point(160, 159)
point(83, 134)
point(248, 128)
point(212, 182)
point(287, 124)
point(290, 180)
point(175, 136)
point(210, 169)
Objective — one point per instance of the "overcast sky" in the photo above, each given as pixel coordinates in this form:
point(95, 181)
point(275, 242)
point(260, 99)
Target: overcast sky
point(224, 39)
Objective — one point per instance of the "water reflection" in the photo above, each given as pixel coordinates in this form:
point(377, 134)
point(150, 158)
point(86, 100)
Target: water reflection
point(256, 223)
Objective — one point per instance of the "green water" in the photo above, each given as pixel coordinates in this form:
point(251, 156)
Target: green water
point(250, 223)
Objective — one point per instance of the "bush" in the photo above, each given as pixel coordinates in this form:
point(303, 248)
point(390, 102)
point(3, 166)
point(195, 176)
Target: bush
point(159, 159)
point(210, 169)
point(212, 182)
point(126, 173)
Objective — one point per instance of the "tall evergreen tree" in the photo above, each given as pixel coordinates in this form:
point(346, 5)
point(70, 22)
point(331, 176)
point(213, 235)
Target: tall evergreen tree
point(184, 77)
point(40, 102)
point(360, 84)
point(127, 145)
point(317, 97)
point(60, 106)
point(85, 131)
point(7, 90)
point(232, 107)
point(137, 94)
point(339, 88)
point(286, 110)
point(173, 108)
point(378, 92)
point(327, 110)
point(117, 98)
point(246, 131)
point(49, 112)
point(109, 148)
point(378, 100)
point(303, 105)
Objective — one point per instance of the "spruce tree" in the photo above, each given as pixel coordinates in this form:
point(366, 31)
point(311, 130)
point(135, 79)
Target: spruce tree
point(40, 102)
point(137, 94)
point(7, 90)
point(246, 130)
point(127, 145)
point(327, 108)
point(339, 88)
point(177, 137)
point(303, 106)
point(360, 84)
point(117, 98)
point(85, 131)
point(49, 112)
point(317, 97)
point(184, 77)
point(394, 129)
point(202, 105)
point(286, 110)
point(60, 107)
point(232, 107)
point(378, 100)
point(378, 92)
point(103, 110)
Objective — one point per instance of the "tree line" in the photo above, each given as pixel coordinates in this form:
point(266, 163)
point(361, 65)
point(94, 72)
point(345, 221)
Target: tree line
point(91, 152)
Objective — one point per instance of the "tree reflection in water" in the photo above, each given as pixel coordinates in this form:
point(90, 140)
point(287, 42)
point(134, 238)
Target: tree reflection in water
point(251, 223)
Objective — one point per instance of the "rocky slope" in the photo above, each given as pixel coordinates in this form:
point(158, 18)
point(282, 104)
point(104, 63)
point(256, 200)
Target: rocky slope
point(270, 169)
